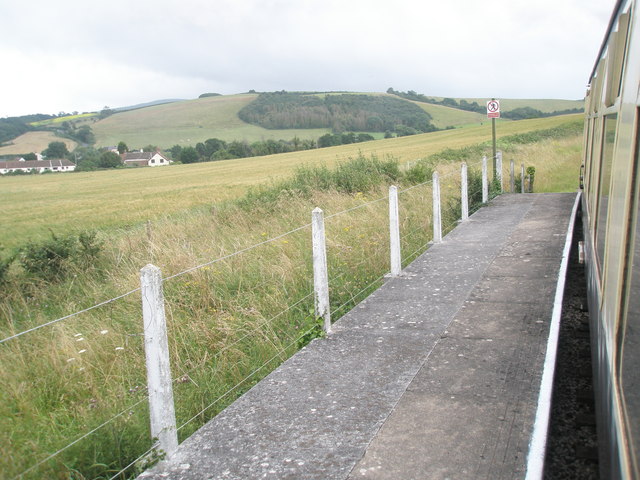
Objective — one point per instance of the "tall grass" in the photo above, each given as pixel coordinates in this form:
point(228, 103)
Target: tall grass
point(230, 322)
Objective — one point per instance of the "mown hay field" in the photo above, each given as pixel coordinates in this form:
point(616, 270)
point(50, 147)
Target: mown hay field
point(34, 142)
point(35, 205)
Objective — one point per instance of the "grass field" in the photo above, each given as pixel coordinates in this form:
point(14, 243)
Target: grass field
point(443, 117)
point(230, 322)
point(34, 205)
point(34, 142)
point(66, 118)
point(189, 122)
point(544, 105)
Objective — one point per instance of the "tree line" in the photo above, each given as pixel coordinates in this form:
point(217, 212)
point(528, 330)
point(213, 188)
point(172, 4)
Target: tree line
point(215, 149)
point(339, 112)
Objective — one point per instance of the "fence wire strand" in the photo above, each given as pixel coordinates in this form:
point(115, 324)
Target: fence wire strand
point(237, 385)
point(106, 302)
point(82, 437)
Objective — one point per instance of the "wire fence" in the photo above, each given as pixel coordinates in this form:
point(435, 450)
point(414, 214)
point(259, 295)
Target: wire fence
point(229, 323)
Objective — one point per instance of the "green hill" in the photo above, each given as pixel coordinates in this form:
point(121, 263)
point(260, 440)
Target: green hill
point(189, 122)
point(544, 105)
point(443, 117)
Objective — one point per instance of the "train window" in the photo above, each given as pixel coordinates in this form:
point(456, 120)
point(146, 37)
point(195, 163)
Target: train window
point(594, 160)
point(608, 140)
point(615, 56)
point(629, 333)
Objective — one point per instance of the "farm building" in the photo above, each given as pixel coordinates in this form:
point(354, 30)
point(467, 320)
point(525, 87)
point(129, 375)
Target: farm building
point(145, 159)
point(40, 166)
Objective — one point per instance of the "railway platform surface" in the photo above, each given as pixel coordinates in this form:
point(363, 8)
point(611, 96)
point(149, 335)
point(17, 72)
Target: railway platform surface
point(436, 375)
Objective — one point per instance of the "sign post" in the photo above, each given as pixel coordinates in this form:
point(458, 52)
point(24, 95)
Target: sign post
point(493, 112)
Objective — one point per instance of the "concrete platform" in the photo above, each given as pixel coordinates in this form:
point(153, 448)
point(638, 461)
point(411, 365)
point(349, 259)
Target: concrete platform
point(434, 376)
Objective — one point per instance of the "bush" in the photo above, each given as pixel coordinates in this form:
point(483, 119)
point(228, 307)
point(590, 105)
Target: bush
point(52, 258)
point(5, 263)
point(420, 172)
point(49, 258)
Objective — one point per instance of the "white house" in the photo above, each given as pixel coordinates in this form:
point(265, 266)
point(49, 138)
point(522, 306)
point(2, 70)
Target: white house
point(40, 166)
point(145, 159)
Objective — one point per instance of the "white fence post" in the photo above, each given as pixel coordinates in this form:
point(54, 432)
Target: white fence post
point(394, 232)
point(485, 181)
point(464, 192)
point(512, 176)
point(156, 347)
point(522, 178)
point(437, 213)
point(499, 169)
point(320, 273)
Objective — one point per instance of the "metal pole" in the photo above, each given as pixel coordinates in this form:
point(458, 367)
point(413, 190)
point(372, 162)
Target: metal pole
point(493, 142)
point(320, 274)
point(394, 232)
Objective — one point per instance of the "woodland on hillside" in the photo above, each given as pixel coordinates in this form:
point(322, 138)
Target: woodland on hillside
point(340, 112)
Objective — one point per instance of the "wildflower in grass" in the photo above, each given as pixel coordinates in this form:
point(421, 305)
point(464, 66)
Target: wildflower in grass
point(69, 360)
point(119, 348)
point(83, 350)
point(104, 332)
point(80, 339)
point(78, 335)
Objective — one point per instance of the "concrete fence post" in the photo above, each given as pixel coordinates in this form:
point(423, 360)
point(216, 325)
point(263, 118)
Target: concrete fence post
point(485, 181)
point(522, 178)
point(320, 273)
point(499, 169)
point(512, 176)
point(394, 232)
point(437, 212)
point(464, 192)
point(156, 347)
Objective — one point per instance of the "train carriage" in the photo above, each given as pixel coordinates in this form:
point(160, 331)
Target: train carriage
point(610, 208)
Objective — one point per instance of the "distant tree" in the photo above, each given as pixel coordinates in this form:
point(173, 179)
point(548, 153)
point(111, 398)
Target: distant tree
point(122, 147)
point(30, 156)
point(56, 150)
point(150, 148)
point(364, 137)
point(86, 158)
point(189, 155)
point(85, 135)
point(204, 95)
point(175, 151)
point(109, 160)
point(239, 149)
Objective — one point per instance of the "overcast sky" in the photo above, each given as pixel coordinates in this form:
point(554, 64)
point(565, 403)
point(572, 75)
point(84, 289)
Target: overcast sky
point(82, 55)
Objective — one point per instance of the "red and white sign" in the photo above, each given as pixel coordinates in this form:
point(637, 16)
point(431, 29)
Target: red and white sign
point(493, 109)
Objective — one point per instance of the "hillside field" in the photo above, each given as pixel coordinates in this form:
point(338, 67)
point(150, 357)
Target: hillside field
point(189, 122)
point(34, 142)
point(443, 117)
point(542, 104)
point(34, 205)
